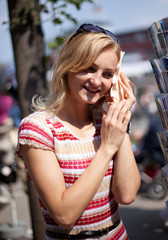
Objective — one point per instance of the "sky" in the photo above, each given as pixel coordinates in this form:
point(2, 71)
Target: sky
point(118, 16)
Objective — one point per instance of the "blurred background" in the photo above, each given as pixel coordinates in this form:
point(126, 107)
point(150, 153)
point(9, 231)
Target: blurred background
point(129, 20)
point(28, 48)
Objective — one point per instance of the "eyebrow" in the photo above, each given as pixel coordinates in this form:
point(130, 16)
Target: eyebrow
point(107, 69)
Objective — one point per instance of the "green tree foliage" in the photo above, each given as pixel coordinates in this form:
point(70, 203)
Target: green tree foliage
point(55, 9)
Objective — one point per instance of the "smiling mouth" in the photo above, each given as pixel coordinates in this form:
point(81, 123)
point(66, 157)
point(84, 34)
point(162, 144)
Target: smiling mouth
point(91, 90)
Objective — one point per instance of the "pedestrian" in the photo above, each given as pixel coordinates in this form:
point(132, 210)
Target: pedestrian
point(79, 157)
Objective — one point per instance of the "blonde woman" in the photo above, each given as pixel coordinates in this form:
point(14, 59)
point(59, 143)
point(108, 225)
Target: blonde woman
point(80, 161)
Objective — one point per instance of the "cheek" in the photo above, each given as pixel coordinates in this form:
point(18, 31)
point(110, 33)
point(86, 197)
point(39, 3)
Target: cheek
point(74, 79)
point(73, 83)
point(108, 85)
point(71, 80)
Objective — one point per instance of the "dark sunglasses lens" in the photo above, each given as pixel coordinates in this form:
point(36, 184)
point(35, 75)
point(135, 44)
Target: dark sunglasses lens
point(94, 29)
point(97, 29)
point(91, 28)
point(111, 35)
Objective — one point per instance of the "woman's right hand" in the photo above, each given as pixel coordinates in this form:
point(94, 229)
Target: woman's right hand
point(114, 126)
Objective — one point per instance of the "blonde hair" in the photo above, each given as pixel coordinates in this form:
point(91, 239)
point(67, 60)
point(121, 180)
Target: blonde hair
point(76, 54)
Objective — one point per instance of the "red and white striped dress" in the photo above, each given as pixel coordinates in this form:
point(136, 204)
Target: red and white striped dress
point(74, 154)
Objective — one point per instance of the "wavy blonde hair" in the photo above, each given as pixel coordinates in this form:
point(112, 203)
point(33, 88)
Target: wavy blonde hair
point(76, 54)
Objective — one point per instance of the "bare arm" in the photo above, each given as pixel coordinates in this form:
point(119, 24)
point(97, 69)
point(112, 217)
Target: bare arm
point(64, 204)
point(126, 178)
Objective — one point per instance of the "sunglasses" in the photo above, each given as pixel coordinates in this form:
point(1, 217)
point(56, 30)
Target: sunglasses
point(90, 28)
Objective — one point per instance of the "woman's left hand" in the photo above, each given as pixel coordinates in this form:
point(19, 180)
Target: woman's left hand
point(128, 88)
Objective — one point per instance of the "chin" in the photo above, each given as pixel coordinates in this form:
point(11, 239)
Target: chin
point(92, 101)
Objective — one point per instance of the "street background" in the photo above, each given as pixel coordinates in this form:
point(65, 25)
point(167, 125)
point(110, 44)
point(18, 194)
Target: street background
point(142, 219)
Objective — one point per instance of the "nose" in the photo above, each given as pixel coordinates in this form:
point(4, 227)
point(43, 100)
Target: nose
point(96, 79)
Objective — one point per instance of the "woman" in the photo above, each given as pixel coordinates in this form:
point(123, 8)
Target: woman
point(80, 161)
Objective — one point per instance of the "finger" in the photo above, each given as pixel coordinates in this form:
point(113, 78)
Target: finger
point(110, 112)
point(128, 93)
point(126, 87)
point(124, 78)
point(116, 111)
point(127, 119)
point(125, 82)
point(104, 114)
point(123, 125)
point(123, 112)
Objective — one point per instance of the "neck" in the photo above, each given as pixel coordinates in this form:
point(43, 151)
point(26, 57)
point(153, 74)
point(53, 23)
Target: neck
point(79, 116)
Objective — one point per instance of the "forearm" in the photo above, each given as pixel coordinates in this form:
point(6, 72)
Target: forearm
point(126, 177)
point(65, 204)
point(76, 198)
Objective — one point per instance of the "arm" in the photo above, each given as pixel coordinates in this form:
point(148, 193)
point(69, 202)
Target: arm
point(65, 205)
point(126, 177)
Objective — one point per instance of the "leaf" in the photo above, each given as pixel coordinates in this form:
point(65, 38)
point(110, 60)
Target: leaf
point(5, 22)
point(43, 8)
point(52, 45)
point(57, 21)
point(60, 6)
point(78, 3)
point(68, 16)
point(59, 40)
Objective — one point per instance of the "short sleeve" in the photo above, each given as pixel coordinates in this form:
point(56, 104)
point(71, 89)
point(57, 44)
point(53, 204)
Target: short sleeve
point(35, 131)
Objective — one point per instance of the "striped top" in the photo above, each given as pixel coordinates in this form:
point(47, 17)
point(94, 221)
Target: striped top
point(74, 154)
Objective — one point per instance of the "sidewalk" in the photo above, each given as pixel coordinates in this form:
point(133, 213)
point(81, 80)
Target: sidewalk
point(142, 219)
point(23, 214)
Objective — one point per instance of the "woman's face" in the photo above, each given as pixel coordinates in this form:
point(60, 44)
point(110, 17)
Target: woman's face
point(89, 85)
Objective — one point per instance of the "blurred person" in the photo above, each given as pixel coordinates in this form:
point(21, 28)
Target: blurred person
point(6, 123)
point(151, 142)
point(6, 146)
point(9, 87)
point(149, 145)
point(7, 159)
point(79, 156)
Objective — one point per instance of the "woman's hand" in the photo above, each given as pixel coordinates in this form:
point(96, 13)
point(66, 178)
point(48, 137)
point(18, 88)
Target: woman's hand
point(128, 89)
point(116, 119)
point(114, 125)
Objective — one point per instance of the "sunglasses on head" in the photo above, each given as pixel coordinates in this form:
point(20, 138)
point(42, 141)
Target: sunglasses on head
point(90, 28)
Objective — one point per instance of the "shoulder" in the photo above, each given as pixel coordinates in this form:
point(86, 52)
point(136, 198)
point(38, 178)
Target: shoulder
point(35, 130)
point(40, 116)
point(41, 119)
